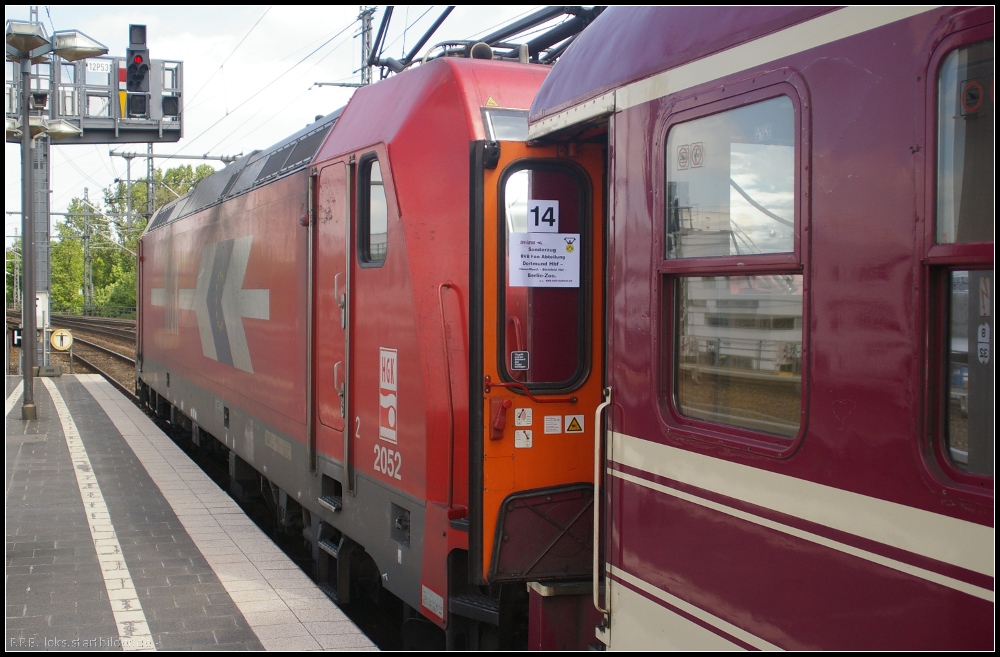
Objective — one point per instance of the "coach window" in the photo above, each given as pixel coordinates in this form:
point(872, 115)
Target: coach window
point(962, 255)
point(545, 237)
point(373, 213)
point(732, 282)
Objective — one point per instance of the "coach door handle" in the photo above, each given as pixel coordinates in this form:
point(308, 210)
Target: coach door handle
point(597, 496)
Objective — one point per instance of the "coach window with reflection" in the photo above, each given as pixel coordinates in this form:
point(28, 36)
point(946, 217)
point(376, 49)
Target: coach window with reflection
point(962, 254)
point(736, 332)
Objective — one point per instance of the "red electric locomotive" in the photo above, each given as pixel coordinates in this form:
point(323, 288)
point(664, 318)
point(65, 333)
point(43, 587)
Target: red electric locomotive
point(799, 442)
point(392, 321)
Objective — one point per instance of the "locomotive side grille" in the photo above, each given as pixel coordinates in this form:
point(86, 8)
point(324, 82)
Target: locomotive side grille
point(275, 163)
point(249, 175)
point(306, 147)
point(248, 172)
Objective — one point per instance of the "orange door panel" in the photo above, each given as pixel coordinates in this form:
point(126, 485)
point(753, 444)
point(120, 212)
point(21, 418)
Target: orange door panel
point(542, 351)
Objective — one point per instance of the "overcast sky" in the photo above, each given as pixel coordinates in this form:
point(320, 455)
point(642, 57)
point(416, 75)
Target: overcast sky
point(248, 76)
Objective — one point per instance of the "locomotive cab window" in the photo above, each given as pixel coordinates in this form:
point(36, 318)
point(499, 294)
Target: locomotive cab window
point(544, 301)
point(962, 257)
point(505, 124)
point(373, 213)
point(732, 283)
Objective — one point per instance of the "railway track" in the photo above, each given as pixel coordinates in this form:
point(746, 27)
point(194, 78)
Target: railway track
point(125, 390)
point(100, 345)
point(121, 329)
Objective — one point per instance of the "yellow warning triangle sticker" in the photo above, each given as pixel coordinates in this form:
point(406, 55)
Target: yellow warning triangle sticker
point(491, 103)
point(574, 426)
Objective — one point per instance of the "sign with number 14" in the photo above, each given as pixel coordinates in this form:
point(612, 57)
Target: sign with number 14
point(543, 216)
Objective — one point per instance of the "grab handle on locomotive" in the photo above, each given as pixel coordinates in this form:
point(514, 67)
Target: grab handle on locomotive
point(489, 383)
point(341, 298)
point(339, 387)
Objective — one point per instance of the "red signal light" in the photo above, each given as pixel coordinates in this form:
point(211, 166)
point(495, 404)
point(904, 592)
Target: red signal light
point(137, 59)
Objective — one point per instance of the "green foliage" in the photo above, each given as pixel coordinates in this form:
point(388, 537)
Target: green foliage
point(66, 272)
point(120, 291)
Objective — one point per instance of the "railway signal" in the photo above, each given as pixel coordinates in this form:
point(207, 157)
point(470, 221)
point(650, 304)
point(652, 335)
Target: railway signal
point(137, 72)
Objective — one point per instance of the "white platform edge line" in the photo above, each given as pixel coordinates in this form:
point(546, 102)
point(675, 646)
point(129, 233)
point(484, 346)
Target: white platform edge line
point(13, 397)
point(130, 619)
point(297, 601)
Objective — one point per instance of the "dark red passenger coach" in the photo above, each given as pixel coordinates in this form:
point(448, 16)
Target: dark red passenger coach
point(683, 343)
point(799, 449)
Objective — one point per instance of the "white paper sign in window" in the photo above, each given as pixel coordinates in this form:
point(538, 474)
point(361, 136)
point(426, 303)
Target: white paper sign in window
point(544, 259)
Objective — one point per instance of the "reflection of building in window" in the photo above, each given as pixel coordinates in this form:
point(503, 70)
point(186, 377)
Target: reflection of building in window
point(730, 186)
point(964, 222)
point(969, 428)
point(740, 359)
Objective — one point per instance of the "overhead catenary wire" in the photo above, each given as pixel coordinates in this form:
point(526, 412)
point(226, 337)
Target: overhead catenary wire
point(267, 85)
point(190, 100)
point(79, 163)
point(279, 111)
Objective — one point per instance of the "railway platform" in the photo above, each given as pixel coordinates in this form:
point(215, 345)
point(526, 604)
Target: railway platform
point(116, 540)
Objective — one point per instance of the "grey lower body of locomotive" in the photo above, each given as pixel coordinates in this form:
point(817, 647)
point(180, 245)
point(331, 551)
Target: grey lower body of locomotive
point(369, 516)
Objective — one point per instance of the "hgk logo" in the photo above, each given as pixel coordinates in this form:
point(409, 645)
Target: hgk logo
point(387, 411)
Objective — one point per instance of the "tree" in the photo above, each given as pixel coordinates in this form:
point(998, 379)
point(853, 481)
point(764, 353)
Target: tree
point(66, 268)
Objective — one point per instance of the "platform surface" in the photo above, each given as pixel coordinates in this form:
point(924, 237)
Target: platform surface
point(117, 540)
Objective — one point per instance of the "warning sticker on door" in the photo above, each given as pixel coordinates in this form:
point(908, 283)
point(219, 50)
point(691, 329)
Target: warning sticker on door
point(553, 424)
point(574, 424)
point(522, 438)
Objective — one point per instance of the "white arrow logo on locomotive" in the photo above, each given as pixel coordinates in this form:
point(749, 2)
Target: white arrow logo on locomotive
point(220, 302)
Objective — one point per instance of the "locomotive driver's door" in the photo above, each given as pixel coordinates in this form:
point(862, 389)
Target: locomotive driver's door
point(537, 336)
point(330, 284)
